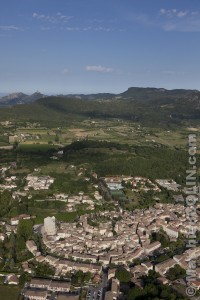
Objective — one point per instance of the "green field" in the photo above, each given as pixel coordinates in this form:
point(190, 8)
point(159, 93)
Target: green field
point(35, 147)
point(9, 293)
point(118, 131)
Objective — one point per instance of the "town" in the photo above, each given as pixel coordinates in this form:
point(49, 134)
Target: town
point(99, 243)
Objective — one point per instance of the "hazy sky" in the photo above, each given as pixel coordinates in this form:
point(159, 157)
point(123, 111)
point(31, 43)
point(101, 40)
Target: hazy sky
point(74, 46)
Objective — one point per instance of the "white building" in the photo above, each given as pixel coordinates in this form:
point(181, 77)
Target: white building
point(152, 247)
point(50, 225)
point(171, 232)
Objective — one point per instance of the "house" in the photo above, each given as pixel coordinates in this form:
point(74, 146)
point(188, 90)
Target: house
point(163, 267)
point(104, 259)
point(96, 279)
point(196, 284)
point(148, 265)
point(138, 282)
point(31, 246)
point(115, 288)
point(35, 294)
point(51, 260)
point(2, 236)
point(40, 258)
point(15, 221)
point(26, 268)
point(40, 283)
point(136, 254)
point(138, 271)
point(13, 279)
point(84, 257)
point(68, 297)
point(171, 232)
point(59, 286)
point(111, 273)
point(162, 280)
point(152, 247)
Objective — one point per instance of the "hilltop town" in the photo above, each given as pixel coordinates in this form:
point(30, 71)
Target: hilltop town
point(102, 240)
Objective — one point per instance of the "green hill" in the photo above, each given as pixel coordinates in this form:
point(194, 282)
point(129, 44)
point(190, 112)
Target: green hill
point(152, 107)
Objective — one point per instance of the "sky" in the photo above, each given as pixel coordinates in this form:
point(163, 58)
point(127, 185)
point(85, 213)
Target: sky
point(90, 46)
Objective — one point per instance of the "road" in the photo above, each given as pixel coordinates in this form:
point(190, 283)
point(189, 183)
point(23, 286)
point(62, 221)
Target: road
point(98, 292)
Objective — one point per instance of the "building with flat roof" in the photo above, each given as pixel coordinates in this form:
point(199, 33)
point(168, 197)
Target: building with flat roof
point(50, 225)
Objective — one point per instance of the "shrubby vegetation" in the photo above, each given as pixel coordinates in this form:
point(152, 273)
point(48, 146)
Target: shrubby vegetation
point(79, 278)
point(144, 106)
point(123, 275)
point(151, 162)
point(13, 248)
point(176, 273)
point(153, 290)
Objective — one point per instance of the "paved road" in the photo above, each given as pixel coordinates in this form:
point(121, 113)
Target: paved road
point(97, 293)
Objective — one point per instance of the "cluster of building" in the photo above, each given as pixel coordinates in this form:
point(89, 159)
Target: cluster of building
point(169, 184)
point(9, 181)
point(74, 200)
point(139, 183)
point(119, 240)
point(40, 289)
point(6, 123)
point(114, 182)
point(144, 184)
point(22, 137)
point(15, 220)
point(35, 182)
point(163, 267)
point(8, 228)
point(38, 182)
point(101, 239)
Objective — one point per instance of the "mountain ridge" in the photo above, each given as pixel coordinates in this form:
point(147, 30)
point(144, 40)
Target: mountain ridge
point(20, 98)
point(132, 93)
point(150, 107)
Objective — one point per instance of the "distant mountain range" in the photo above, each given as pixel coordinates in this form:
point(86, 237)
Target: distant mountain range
point(19, 98)
point(148, 106)
point(133, 93)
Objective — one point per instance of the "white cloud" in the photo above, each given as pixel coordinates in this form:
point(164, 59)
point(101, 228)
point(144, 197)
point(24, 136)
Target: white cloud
point(162, 11)
point(179, 20)
point(65, 71)
point(53, 19)
point(10, 27)
point(170, 13)
point(99, 69)
point(170, 20)
point(172, 72)
point(90, 28)
point(100, 28)
point(47, 28)
point(73, 28)
point(182, 14)
point(194, 13)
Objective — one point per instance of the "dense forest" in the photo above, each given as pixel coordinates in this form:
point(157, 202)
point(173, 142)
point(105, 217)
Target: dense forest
point(151, 162)
point(152, 107)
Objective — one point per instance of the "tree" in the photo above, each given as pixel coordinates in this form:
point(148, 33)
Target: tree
point(5, 201)
point(123, 275)
point(25, 229)
point(24, 278)
point(136, 293)
point(11, 264)
point(56, 138)
point(176, 273)
point(44, 269)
